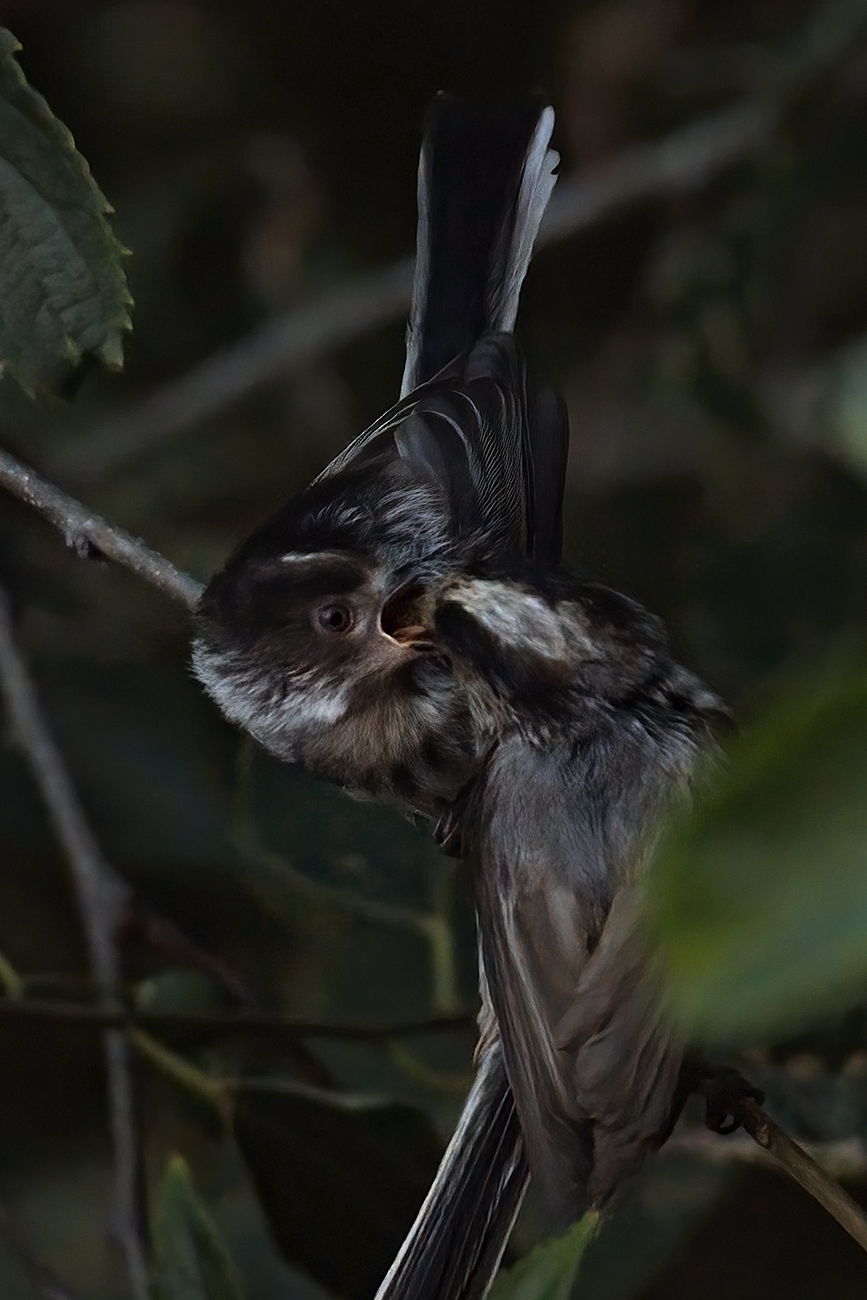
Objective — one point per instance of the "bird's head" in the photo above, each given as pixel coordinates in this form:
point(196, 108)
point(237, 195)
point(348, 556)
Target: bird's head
point(329, 662)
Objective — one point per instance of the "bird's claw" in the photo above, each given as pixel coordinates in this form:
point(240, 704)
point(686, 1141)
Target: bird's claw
point(725, 1090)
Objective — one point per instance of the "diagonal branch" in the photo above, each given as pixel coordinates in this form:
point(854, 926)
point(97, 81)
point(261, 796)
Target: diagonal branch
point(90, 535)
point(800, 1166)
point(101, 896)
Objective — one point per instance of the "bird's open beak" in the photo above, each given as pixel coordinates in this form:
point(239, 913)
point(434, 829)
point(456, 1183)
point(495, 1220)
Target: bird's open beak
point(410, 635)
point(403, 620)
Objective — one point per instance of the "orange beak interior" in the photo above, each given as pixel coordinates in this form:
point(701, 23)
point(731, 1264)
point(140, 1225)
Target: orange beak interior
point(401, 617)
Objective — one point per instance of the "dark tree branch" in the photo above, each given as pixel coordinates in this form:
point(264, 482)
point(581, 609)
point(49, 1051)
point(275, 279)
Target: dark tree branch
point(141, 924)
point(242, 1022)
point(793, 1160)
point(101, 895)
point(90, 535)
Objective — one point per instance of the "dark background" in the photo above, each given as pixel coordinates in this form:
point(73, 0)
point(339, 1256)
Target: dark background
point(712, 347)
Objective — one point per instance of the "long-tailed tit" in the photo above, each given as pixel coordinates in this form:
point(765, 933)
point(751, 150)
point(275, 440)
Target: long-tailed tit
point(404, 627)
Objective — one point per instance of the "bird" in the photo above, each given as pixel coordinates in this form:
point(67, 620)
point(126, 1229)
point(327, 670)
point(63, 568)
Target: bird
point(405, 627)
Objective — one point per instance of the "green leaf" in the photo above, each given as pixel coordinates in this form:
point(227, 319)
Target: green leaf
point(192, 1262)
point(549, 1271)
point(758, 901)
point(63, 292)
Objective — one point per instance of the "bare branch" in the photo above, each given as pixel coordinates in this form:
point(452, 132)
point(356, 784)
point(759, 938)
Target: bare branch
point(842, 1158)
point(241, 1022)
point(794, 1160)
point(101, 896)
point(144, 925)
point(683, 160)
point(280, 348)
point(90, 535)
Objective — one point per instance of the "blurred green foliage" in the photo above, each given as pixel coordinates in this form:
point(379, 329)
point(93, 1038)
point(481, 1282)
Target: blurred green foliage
point(712, 347)
point(548, 1272)
point(191, 1261)
point(758, 901)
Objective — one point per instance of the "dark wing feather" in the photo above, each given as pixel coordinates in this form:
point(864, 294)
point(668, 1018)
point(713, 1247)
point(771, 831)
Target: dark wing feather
point(494, 453)
point(554, 840)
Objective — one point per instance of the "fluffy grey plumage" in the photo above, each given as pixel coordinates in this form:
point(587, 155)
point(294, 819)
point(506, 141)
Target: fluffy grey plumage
point(598, 733)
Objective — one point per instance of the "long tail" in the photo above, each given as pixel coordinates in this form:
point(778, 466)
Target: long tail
point(484, 183)
point(455, 1245)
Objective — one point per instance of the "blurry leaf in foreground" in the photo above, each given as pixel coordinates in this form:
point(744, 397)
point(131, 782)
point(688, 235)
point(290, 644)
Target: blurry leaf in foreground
point(549, 1271)
point(62, 285)
point(192, 1262)
point(340, 1180)
point(758, 900)
point(667, 1203)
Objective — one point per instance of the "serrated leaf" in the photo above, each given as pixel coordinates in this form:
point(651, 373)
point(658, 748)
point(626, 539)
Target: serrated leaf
point(192, 1262)
point(550, 1270)
point(758, 901)
point(63, 292)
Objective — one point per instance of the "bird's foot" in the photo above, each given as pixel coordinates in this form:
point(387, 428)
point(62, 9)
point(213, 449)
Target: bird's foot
point(725, 1090)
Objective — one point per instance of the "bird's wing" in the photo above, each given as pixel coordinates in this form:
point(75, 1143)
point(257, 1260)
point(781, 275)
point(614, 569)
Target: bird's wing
point(494, 452)
point(554, 838)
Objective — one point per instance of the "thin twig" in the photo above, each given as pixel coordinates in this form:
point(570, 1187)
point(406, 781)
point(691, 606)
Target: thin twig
point(90, 535)
point(144, 925)
point(276, 350)
point(213, 1092)
point(253, 852)
point(683, 160)
point(242, 1022)
point(448, 1084)
point(221, 1093)
point(843, 1158)
point(795, 1161)
point(101, 896)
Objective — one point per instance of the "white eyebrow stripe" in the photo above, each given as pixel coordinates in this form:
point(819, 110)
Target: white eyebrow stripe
point(311, 557)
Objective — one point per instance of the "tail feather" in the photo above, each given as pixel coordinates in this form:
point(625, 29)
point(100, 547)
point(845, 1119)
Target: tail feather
point(455, 1245)
point(484, 183)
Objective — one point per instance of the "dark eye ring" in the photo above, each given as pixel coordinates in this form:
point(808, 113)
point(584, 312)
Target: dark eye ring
point(335, 618)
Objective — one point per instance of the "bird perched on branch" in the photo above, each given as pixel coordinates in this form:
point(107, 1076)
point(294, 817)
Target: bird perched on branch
point(404, 627)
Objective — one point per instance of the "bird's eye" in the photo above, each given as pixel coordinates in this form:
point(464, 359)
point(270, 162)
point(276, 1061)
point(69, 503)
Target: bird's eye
point(335, 618)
